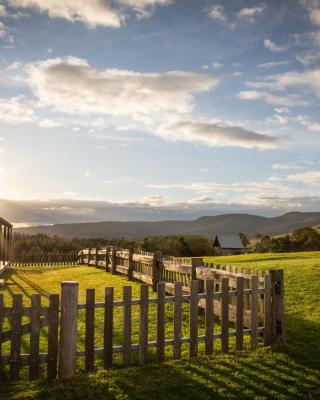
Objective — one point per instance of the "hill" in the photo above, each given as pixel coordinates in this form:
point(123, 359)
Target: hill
point(207, 226)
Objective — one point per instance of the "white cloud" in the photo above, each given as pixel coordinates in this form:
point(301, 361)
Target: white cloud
point(72, 86)
point(216, 65)
point(279, 119)
point(5, 33)
point(3, 10)
point(313, 8)
point(273, 64)
point(289, 100)
point(281, 110)
point(217, 12)
point(48, 123)
point(249, 12)
point(309, 79)
point(217, 134)
point(93, 13)
point(16, 110)
point(308, 58)
point(307, 122)
point(270, 45)
point(285, 166)
point(311, 178)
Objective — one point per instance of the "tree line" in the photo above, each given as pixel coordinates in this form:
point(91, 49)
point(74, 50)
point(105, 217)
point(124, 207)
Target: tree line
point(303, 239)
point(175, 245)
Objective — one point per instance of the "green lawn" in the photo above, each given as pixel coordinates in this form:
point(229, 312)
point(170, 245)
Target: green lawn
point(294, 374)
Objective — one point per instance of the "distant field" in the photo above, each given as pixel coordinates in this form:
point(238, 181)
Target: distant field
point(294, 374)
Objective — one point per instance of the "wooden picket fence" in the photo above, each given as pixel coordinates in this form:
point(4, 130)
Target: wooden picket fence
point(235, 304)
point(18, 260)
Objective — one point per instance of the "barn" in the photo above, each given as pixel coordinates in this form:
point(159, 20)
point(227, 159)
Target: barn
point(5, 241)
point(226, 245)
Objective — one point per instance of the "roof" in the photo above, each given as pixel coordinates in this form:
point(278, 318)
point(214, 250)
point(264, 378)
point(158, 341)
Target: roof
point(229, 241)
point(4, 222)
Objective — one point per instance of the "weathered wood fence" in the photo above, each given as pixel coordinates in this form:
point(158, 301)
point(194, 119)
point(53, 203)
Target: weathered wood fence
point(44, 259)
point(152, 268)
point(235, 303)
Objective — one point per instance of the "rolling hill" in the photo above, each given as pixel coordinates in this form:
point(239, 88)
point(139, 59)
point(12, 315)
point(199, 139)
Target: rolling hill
point(207, 226)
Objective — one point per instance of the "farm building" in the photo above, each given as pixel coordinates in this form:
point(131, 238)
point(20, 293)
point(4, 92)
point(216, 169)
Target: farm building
point(5, 241)
point(226, 245)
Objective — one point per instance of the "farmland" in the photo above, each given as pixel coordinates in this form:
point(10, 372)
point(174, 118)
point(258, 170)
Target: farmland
point(262, 374)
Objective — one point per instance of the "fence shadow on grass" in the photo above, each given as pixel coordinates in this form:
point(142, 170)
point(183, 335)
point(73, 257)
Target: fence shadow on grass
point(261, 374)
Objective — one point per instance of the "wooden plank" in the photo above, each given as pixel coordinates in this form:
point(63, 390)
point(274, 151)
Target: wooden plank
point(113, 261)
point(247, 281)
point(108, 327)
point(143, 336)
point(121, 269)
point(224, 315)
point(278, 329)
point(157, 264)
point(127, 315)
point(68, 329)
point(34, 336)
point(160, 321)
point(142, 277)
point(130, 265)
point(53, 326)
point(195, 263)
point(193, 320)
point(174, 267)
point(254, 312)
point(89, 334)
point(177, 319)
point(209, 316)
point(14, 370)
point(239, 313)
point(267, 310)
point(106, 259)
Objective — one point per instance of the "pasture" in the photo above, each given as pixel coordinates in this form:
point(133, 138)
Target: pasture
point(261, 374)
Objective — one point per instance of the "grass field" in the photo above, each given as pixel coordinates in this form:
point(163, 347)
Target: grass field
point(294, 374)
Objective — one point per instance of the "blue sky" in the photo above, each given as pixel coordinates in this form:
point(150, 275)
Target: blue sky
point(152, 109)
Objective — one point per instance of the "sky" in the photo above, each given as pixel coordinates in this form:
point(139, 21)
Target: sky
point(158, 109)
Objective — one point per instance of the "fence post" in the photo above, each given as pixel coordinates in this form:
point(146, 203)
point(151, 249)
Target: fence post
point(130, 264)
point(156, 269)
point(197, 262)
point(97, 257)
point(107, 259)
point(89, 251)
point(68, 329)
point(113, 261)
point(277, 309)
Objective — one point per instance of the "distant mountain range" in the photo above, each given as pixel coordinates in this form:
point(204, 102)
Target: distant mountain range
point(207, 226)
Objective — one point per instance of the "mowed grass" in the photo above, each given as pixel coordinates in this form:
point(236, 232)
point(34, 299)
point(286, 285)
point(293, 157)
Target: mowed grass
point(293, 374)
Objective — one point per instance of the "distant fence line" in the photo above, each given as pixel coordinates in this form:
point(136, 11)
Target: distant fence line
point(44, 259)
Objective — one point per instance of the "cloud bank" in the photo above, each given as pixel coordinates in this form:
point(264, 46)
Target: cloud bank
point(93, 13)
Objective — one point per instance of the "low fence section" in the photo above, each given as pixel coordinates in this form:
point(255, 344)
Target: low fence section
point(44, 259)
